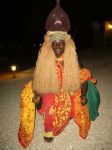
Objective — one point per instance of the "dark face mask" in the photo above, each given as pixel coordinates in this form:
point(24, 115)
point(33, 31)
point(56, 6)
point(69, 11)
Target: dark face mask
point(58, 48)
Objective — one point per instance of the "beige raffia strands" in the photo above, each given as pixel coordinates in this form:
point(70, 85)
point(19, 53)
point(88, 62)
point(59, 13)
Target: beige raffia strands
point(45, 76)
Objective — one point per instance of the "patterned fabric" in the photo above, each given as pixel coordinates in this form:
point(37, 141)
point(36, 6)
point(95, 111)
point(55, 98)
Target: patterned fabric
point(81, 115)
point(27, 118)
point(63, 107)
point(86, 75)
point(62, 110)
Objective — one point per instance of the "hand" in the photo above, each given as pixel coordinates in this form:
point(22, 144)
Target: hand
point(84, 88)
point(36, 98)
point(83, 100)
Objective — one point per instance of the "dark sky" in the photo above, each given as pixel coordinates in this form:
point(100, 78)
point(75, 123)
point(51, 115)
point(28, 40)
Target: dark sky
point(22, 19)
point(22, 23)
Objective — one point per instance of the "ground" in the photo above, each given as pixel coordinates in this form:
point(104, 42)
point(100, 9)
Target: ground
point(100, 134)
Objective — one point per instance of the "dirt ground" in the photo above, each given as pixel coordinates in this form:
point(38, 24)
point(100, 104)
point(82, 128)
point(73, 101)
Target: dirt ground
point(100, 134)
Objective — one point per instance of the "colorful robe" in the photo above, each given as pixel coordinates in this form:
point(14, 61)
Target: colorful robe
point(65, 107)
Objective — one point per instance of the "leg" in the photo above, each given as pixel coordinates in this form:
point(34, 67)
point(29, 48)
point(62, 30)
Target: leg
point(48, 102)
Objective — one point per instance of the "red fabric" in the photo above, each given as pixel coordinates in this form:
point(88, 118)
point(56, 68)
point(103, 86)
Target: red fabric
point(60, 73)
point(72, 107)
point(48, 120)
point(48, 102)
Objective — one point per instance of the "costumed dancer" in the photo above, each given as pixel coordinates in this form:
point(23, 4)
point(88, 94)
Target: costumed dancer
point(61, 90)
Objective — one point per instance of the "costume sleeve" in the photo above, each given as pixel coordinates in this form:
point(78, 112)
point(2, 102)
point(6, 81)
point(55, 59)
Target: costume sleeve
point(92, 94)
point(27, 116)
point(85, 75)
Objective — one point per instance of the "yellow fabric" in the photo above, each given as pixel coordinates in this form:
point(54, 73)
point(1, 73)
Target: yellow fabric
point(27, 118)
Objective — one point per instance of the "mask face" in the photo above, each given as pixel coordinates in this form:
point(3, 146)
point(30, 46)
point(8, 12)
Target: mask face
point(58, 48)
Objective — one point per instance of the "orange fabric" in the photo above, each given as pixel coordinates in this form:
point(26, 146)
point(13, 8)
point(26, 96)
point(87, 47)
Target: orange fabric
point(27, 118)
point(81, 115)
point(86, 75)
point(63, 108)
point(62, 112)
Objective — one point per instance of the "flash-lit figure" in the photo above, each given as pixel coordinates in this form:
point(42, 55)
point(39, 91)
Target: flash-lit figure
point(61, 89)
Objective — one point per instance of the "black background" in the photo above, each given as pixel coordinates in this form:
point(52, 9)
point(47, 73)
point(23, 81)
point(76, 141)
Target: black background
point(22, 25)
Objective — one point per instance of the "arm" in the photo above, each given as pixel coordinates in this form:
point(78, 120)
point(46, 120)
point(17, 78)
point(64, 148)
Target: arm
point(85, 76)
point(84, 88)
point(37, 99)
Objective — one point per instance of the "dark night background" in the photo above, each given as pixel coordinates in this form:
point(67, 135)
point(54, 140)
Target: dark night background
point(22, 27)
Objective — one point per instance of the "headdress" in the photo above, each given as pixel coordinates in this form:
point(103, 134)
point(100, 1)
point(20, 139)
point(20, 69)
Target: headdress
point(57, 36)
point(58, 20)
